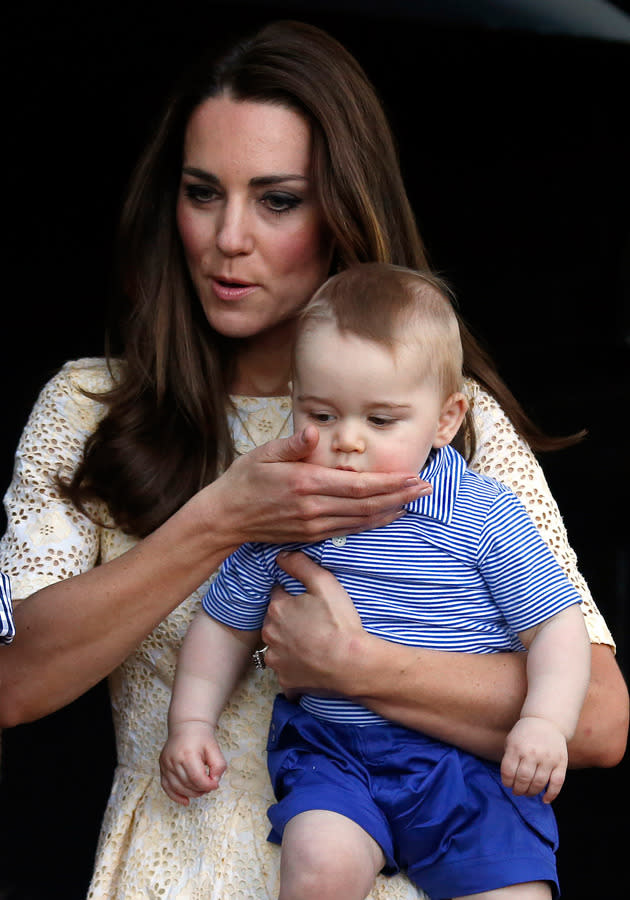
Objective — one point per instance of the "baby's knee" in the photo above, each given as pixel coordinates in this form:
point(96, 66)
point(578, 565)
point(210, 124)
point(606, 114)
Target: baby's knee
point(315, 876)
point(326, 856)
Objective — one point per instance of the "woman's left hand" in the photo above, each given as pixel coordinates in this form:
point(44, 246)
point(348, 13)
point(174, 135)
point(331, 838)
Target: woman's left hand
point(313, 659)
point(317, 645)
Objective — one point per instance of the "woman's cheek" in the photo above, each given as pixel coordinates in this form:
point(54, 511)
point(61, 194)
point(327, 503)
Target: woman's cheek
point(189, 232)
point(307, 252)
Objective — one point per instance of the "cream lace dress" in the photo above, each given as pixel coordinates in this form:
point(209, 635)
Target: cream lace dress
point(216, 849)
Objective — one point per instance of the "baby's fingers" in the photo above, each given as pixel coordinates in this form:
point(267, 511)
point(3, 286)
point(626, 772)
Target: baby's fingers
point(215, 766)
point(173, 790)
point(554, 786)
point(516, 770)
point(524, 777)
point(509, 765)
point(181, 787)
point(195, 777)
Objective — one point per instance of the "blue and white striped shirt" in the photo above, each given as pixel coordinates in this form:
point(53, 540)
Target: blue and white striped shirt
point(465, 570)
point(7, 628)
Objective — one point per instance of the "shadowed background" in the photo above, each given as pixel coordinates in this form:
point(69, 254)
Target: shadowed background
point(512, 125)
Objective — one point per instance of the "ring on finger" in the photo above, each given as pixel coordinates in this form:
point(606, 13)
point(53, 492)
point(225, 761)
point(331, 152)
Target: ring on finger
point(259, 657)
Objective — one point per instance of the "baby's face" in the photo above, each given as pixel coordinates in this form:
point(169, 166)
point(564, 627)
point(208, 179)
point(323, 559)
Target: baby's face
point(373, 411)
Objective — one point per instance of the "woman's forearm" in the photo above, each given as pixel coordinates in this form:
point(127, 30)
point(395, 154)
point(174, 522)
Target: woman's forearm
point(317, 644)
point(602, 732)
point(73, 633)
point(472, 700)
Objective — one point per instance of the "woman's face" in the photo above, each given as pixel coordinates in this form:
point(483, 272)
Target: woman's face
point(249, 218)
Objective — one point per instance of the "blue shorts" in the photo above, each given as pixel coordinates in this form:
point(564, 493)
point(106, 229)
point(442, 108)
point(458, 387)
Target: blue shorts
point(440, 814)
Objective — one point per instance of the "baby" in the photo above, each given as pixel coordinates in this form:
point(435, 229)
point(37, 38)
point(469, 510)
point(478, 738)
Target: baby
point(378, 371)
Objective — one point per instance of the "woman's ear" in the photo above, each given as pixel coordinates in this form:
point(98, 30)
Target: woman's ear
point(451, 417)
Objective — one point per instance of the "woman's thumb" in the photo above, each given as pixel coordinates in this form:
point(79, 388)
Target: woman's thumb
point(291, 449)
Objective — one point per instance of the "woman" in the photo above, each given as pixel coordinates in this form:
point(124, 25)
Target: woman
point(271, 167)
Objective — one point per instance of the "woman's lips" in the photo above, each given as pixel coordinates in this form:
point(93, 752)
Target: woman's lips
point(231, 290)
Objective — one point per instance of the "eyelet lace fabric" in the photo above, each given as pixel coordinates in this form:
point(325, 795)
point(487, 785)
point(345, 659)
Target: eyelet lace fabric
point(215, 849)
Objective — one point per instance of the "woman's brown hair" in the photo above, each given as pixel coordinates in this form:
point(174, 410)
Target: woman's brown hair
point(166, 434)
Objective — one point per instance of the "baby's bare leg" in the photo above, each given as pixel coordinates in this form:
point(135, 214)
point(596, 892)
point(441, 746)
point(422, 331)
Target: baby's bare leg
point(531, 890)
point(326, 856)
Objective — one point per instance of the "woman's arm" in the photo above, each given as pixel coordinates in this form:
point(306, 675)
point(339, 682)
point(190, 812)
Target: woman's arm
point(71, 634)
point(317, 644)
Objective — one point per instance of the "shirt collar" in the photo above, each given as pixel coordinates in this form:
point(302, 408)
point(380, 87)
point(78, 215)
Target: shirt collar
point(444, 472)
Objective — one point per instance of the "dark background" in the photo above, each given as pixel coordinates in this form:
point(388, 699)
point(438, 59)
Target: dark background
point(515, 146)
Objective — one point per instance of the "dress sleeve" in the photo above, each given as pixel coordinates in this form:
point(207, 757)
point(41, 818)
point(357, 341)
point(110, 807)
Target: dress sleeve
point(7, 626)
point(47, 539)
point(502, 454)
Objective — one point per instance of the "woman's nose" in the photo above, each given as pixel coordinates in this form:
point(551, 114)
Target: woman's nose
point(234, 234)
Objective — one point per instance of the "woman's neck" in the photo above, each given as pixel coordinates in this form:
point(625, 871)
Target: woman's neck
point(263, 365)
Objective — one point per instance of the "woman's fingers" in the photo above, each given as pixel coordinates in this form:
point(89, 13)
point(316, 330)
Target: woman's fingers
point(307, 634)
point(316, 580)
point(318, 481)
point(295, 501)
point(271, 495)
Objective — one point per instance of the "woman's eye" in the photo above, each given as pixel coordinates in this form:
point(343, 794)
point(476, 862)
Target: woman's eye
point(200, 193)
point(280, 202)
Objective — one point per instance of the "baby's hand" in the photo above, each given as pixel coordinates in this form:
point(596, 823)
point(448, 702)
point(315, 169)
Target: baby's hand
point(191, 762)
point(535, 757)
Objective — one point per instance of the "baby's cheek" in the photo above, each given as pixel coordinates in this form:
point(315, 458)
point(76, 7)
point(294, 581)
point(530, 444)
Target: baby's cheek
point(394, 461)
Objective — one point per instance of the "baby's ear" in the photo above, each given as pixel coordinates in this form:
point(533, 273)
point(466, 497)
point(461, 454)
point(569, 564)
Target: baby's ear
point(451, 417)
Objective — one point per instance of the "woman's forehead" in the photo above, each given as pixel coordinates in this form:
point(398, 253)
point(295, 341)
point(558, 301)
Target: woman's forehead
point(249, 131)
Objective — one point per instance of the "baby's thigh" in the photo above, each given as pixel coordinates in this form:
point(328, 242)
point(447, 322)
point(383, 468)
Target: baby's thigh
point(325, 855)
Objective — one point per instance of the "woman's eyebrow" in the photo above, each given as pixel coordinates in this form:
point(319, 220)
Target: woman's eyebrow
point(263, 180)
point(258, 181)
point(199, 173)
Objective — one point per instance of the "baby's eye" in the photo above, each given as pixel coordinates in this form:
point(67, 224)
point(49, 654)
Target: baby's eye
point(381, 421)
point(322, 418)
point(279, 202)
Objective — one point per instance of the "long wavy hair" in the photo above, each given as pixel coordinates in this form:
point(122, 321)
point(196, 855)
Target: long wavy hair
point(165, 434)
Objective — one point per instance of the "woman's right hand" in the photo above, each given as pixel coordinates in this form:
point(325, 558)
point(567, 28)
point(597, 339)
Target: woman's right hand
point(270, 495)
point(61, 647)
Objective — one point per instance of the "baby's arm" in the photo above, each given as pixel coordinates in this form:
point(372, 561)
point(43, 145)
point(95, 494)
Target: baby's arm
point(558, 672)
point(211, 662)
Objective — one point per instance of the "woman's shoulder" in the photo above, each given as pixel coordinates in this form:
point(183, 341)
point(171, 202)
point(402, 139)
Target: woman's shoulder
point(481, 401)
point(70, 398)
point(493, 428)
point(93, 374)
point(79, 379)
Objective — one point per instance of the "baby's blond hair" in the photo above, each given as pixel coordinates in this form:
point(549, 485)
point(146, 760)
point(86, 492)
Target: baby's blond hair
point(393, 305)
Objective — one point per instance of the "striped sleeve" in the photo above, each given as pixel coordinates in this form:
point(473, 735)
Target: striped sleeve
point(7, 628)
point(239, 595)
point(526, 582)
